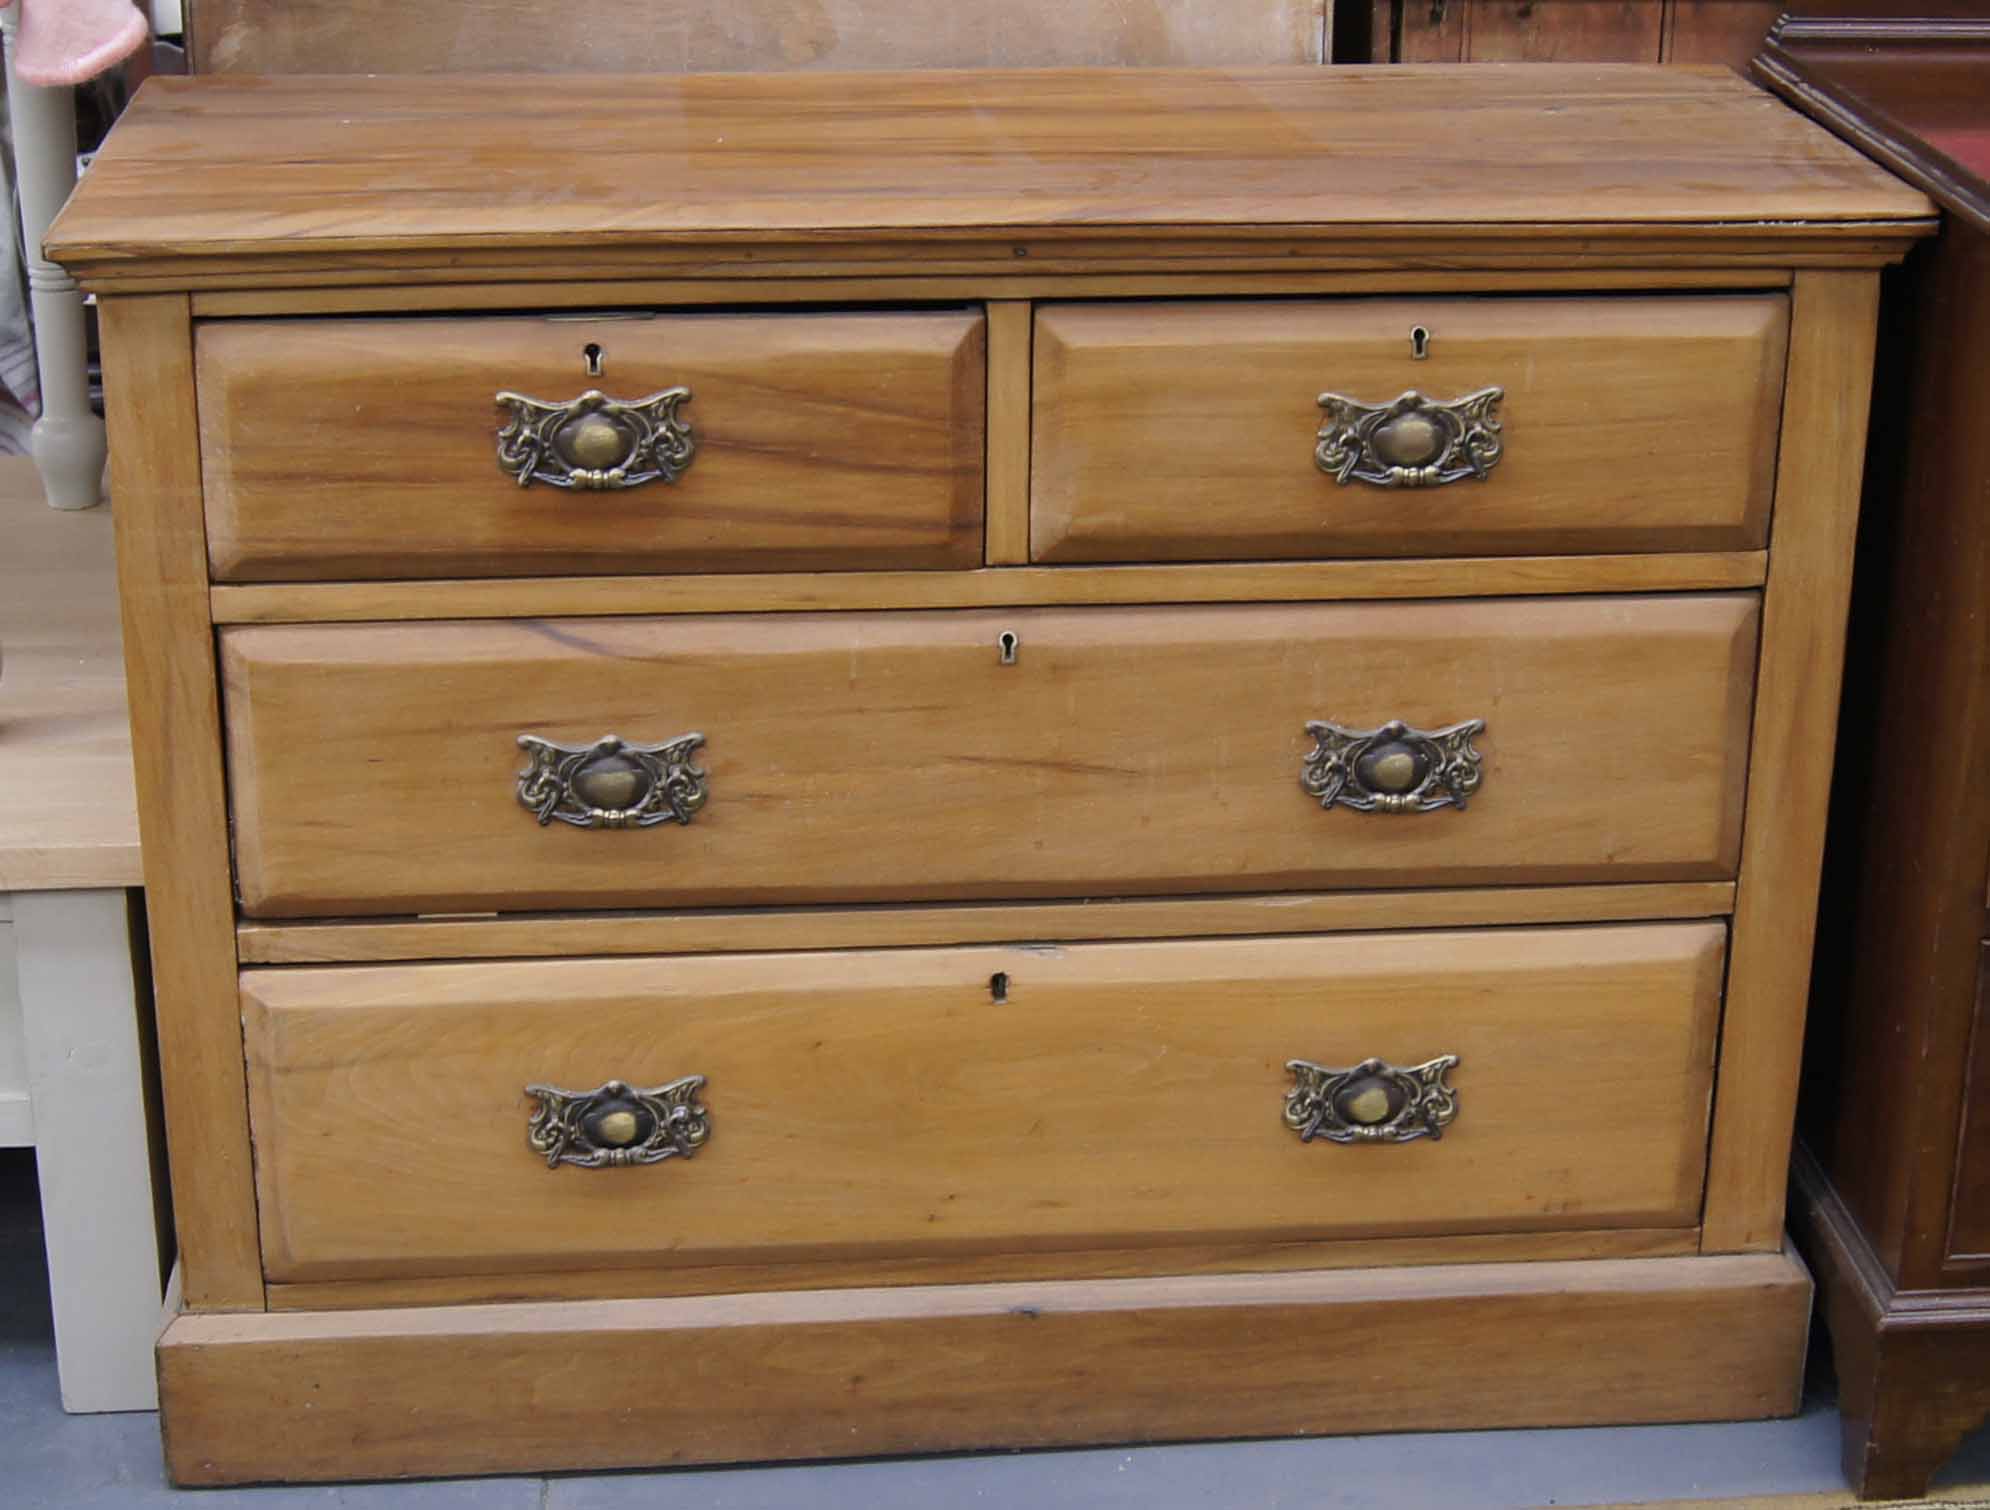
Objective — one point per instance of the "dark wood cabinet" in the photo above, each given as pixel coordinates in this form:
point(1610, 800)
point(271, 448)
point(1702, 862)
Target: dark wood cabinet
point(1893, 1164)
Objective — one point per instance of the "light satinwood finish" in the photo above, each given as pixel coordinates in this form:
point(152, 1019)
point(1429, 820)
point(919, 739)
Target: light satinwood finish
point(893, 757)
point(1186, 431)
point(367, 448)
point(362, 299)
point(68, 814)
point(707, 931)
point(1218, 582)
point(874, 1103)
point(638, 1282)
point(182, 801)
point(596, 36)
point(1818, 479)
point(842, 1372)
point(1702, 253)
point(308, 179)
point(1009, 332)
point(864, 742)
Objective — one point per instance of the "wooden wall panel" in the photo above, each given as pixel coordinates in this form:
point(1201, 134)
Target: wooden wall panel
point(1565, 31)
point(1717, 31)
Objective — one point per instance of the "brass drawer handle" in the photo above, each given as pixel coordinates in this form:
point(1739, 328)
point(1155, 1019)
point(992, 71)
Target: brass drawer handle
point(612, 783)
point(1393, 769)
point(595, 442)
point(1411, 442)
point(616, 1124)
point(1374, 1102)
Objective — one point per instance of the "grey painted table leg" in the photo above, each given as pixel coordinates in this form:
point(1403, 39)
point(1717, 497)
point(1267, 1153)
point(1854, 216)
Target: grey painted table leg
point(68, 439)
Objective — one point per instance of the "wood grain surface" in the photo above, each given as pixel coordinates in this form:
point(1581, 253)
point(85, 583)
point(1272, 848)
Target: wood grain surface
point(639, 1281)
point(362, 298)
point(840, 1373)
point(1011, 325)
point(170, 673)
point(1599, 31)
point(608, 36)
point(1585, 31)
point(892, 757)
point(710, 931)
point(68, 810)
point(1186, 431)
point(800, 592)
point(221, 178)
point(1820, 472)
point(367, 448)
point(907, 1101)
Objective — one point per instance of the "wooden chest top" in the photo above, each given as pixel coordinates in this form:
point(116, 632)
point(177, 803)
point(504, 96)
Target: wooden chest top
point(215, 180)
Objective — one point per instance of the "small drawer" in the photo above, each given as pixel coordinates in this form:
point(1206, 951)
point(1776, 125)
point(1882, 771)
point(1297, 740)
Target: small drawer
point(909, 1102)
point(866, 757)
point(372, 448)
point(1207, 431)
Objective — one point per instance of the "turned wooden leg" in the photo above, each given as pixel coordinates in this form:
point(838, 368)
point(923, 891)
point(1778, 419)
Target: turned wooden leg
point(68, 439)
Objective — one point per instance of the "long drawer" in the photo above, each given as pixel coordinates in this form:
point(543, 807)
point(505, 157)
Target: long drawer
point(987, 1099)
point(378, 769)
point(1205, 430)
point(799, 441)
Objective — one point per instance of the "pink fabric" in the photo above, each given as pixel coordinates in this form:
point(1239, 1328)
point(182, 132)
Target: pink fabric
point(68, 41)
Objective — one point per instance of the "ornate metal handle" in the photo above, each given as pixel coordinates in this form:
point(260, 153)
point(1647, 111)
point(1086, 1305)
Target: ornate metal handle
point(616, 1124)
point(1374, 1102)
point(1393, 769)
point(1412, 442)
point(612, 783)
point(596, 442)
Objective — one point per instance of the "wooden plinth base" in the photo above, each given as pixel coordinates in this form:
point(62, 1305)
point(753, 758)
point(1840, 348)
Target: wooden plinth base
point(1913, 1365)
point(844, 1373)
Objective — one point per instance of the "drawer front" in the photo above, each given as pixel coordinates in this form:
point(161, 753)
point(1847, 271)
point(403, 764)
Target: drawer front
point(1191, 431)
point(887, 1103)
point(369, 448)
point(893, 756)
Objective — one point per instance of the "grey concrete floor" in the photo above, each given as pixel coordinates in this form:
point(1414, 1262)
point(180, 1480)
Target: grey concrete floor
point(52, 1461)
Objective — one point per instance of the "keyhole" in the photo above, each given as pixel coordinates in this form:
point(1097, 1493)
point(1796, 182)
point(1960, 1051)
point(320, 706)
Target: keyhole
point(998, 986)
point(1419, 343)
point(1006, 642)
point(593, 355)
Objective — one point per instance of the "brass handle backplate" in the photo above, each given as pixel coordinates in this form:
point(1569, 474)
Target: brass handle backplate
point(1412, 441)
point(1393, 769)
point(612, 783)
point(616, 1124)
point(595, 442)
point(1373, 1102)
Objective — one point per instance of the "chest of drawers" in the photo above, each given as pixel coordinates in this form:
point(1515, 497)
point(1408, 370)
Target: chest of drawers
point(876, 763)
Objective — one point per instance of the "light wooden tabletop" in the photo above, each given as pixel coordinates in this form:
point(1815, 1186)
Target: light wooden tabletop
point(68, 818)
